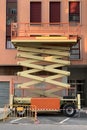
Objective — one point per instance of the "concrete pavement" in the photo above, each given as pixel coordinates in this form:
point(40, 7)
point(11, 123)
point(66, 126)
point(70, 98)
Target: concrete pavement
point(41, 127)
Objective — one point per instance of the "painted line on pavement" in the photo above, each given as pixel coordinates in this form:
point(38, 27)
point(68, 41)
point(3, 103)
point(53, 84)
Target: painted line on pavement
point(61, 122)
point(14, 121)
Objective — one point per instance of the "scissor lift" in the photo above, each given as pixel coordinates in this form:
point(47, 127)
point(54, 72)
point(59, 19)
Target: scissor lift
point(44, 50)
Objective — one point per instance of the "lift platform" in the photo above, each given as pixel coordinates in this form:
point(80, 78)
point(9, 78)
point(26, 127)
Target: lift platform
point(44, 50)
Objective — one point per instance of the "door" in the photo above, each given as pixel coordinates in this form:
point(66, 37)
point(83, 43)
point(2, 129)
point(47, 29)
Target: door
point(4, 93)
point(77, 87)
point(80, 90)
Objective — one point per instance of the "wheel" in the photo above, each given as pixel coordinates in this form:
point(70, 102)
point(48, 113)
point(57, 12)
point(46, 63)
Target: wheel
point(69, 110)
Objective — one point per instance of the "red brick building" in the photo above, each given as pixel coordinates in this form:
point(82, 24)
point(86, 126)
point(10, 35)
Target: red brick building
point(72, 12)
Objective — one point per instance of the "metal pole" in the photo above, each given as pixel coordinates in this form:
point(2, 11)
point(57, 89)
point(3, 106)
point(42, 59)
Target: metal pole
point(79, 103)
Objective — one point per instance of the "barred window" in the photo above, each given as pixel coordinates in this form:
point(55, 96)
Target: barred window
point(75, 51)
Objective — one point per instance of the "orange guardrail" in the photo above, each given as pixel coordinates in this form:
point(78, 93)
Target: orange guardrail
point(20, 111)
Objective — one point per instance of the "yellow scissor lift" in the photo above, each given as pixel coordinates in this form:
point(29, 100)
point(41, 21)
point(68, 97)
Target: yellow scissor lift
point(44, 50)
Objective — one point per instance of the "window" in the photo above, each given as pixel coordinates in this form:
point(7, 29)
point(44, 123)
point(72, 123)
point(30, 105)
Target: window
point(54, 12)
point(9, 44)
point(74, 11)
point(75, 51)
point(11, 12)
point(35, 12)
point(11, 16)
point(10, 70)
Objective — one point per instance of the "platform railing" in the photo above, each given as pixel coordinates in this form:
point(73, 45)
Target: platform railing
point(31, 30)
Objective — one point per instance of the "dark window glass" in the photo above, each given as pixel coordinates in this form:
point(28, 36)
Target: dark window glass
point(11, 11)
point(35, 12)
point(11, 16)
point(10, 70)
point(74, 11)
point(54, 12)
point(75, 52)
point(9, 44)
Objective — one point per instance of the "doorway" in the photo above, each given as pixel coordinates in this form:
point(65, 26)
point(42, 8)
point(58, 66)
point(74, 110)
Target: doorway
point(4, 93)
point(77, 87)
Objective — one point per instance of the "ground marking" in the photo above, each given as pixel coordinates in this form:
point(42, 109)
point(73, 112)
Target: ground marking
point(64, 120)
point(13, 121)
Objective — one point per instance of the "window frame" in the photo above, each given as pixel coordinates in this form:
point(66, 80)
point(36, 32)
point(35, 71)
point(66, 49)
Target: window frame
point(58, 14)
point(74, 21)
point(9, 46)
point(40, 19)
point(9, 15)
point(73, 48)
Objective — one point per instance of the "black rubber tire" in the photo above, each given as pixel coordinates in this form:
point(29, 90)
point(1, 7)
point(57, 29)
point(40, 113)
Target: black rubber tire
point(69, 110)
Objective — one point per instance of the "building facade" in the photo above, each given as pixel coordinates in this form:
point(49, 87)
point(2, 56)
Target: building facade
point(43, 11)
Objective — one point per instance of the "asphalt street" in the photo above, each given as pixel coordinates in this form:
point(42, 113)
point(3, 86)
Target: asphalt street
point(46, 120)
point(41, 127)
